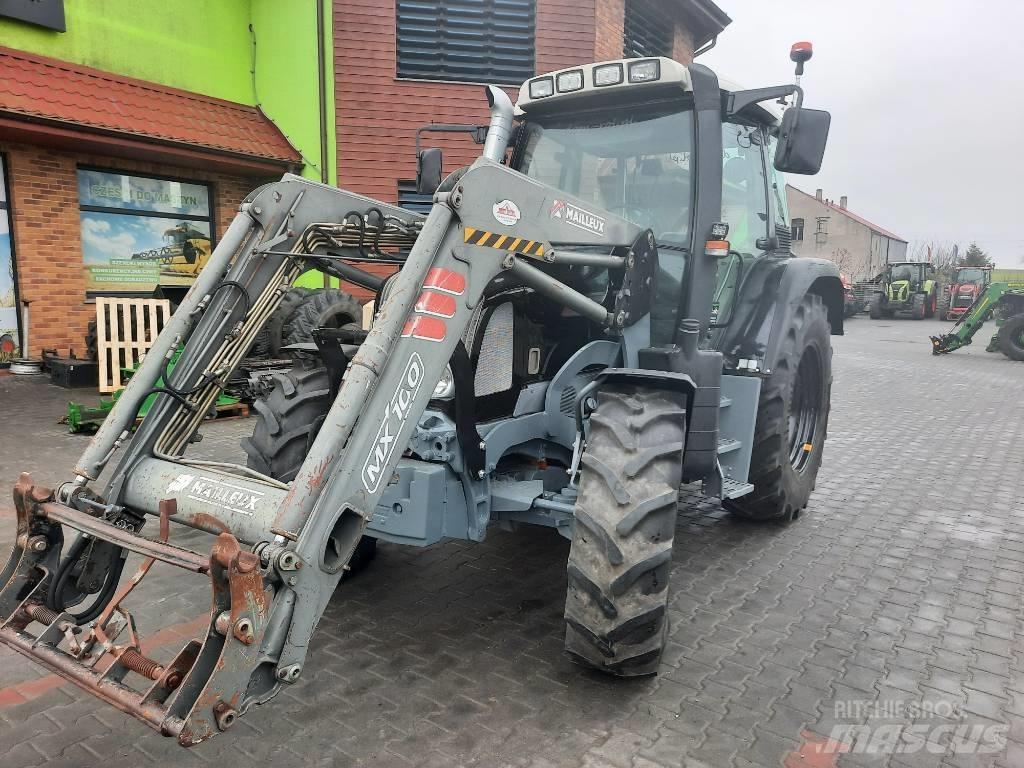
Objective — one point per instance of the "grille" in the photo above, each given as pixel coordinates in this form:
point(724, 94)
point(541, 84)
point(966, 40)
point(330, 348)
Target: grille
point(567, 403)
point(494, 363)
point(782, 234)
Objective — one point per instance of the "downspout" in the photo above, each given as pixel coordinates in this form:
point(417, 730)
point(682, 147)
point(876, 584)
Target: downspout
point(322, 77)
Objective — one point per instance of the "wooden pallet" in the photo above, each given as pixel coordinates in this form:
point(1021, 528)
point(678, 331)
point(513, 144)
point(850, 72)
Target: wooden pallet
point(125, 330)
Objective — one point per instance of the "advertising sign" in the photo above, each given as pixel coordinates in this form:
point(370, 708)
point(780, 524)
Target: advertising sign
point(140, 232)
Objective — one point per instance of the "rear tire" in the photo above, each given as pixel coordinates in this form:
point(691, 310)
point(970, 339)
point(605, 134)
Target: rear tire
point(919, 306)
point(944, 309)
point(326, 308)
point(1010, 338)
point(288, 418)
point(625, 519)
point(792, 413)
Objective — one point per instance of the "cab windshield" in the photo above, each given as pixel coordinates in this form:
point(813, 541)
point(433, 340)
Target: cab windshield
point(976, 276)
point(634, 164)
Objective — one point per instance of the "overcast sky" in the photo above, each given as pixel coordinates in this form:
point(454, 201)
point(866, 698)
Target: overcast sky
point(927, 103)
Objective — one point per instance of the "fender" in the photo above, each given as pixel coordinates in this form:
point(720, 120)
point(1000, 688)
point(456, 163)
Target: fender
point(771, 291)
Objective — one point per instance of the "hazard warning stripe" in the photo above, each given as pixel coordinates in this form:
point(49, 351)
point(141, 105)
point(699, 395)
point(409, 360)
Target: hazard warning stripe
point(487, 239)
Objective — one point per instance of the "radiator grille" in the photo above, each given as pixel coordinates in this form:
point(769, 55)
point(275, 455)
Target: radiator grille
point(494, 363)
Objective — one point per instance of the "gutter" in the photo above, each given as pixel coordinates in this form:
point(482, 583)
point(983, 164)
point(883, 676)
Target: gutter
point(322, 83)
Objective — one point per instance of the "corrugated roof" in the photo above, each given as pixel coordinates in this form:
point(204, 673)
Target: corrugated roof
point(850, 214)
point(39, 88)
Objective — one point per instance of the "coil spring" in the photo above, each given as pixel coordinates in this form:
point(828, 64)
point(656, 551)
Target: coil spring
point(143, 665)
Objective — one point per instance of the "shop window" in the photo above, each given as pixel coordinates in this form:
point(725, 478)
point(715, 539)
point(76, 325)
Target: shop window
point(482, 41)
point(10, 335)
point(646, 31)
point(797, 229)
point(139, 232)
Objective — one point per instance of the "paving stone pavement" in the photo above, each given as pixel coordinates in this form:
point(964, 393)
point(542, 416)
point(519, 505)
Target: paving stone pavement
point(893, 606)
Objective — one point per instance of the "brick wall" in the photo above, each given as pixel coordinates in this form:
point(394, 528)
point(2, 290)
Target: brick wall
point(682, 44)
point(609, 15)
point(377, 114)
point(47, 236)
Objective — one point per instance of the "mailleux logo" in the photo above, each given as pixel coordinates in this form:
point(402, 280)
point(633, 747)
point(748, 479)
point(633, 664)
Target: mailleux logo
point(506, 212)
point(216, 492)
point(395, 416)
point(577, 217)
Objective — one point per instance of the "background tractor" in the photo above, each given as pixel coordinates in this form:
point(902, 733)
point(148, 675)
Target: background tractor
point(603, 306)
point(969, 283)
point(908, 289)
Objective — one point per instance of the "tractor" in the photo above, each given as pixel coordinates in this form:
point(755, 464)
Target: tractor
point(907, 290)
point(600, 308)
point(969, 283)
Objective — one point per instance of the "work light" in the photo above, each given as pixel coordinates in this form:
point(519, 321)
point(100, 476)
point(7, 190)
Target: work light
point(644, 71)
point(445, 387)
point(570, 81)
point(541, 87)
point(608, 74)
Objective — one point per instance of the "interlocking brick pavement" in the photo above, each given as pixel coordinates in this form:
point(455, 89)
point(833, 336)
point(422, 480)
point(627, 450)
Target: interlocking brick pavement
point(901, 586)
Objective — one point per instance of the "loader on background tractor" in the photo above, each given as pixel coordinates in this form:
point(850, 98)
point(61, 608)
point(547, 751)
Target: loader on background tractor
point(1002, 301)
point(908, 289)
point(601, 307)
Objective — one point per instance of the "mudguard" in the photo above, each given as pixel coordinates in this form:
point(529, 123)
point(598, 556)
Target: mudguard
point(771, 291)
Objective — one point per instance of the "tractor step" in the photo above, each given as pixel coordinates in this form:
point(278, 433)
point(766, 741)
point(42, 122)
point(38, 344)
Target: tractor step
point(727, 445)
point(733, 489)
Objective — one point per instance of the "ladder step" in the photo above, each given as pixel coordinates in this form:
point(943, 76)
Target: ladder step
point(726, 445)
point(732, 489)
point(725, 402)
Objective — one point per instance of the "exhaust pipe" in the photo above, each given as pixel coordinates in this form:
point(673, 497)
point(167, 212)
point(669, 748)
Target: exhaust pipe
point(500, 129)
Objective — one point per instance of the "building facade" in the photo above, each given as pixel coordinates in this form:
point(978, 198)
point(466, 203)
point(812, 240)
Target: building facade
point(132, 129)
point(824, 229)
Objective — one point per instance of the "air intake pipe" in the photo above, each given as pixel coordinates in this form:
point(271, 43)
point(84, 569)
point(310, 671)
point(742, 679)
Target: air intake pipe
point(500, 129)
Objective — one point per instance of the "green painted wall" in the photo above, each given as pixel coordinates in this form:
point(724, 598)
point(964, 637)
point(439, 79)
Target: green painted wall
point(205, 46)
point(197, 45)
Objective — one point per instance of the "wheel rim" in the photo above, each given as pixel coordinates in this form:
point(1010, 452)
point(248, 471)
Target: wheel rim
point(804, 409)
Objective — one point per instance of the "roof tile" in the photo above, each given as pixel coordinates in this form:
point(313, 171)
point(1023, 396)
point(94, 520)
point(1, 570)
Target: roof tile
point(40, 87)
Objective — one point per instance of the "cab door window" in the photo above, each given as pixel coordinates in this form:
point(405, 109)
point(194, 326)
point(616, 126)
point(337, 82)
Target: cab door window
point(744, 189)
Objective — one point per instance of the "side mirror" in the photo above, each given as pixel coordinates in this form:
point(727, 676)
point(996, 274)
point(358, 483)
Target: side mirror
point(802, 138)
point(428, 171)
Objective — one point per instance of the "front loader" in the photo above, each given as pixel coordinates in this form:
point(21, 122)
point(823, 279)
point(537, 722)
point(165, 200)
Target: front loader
point(601, 307)
point(1003, 301)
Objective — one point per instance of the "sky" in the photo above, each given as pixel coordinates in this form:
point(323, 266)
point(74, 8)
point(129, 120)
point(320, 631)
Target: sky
point(927, 103)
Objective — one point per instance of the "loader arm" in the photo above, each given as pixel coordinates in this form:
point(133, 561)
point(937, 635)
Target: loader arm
point(281, 549)
point(970, 322)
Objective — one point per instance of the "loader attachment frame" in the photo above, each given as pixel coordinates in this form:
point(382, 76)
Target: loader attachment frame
point(281, 550)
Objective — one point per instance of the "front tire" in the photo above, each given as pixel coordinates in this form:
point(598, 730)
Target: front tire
point(875, 307)
point(288, 419)
point(792, 420)
point(1010, 338)
point(625, 518)
point(919, 306)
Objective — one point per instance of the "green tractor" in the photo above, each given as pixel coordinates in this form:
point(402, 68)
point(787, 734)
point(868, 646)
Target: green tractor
point(908, 288)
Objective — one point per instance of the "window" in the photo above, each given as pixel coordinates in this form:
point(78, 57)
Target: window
point(646, 30)
point(484, 41)
point(744, 191)
point(139, 232)
point(410, 199)
point(10, 335)
point(821, 230)
point(797, 229)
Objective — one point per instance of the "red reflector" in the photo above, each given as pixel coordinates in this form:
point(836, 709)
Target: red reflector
point(445, 280)
point(440, 304)
point(426, 328)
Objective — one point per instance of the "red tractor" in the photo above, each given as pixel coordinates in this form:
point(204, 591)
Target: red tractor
point(963, 290)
